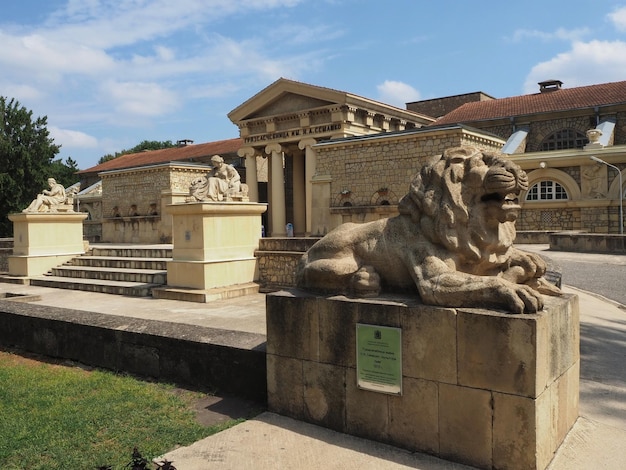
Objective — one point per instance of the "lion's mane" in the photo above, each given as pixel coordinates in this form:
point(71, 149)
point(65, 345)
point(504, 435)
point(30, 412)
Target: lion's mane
point(440, 204)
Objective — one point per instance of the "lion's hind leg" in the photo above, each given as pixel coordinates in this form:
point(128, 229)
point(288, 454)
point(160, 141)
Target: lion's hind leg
point(365, 282)
point(330, 275)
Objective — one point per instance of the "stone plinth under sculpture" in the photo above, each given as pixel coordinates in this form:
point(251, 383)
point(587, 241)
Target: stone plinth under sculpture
point(481, 387)
point(43, 240)
point(213, 250)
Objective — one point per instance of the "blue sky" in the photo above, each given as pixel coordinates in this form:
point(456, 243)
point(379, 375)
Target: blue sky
point(111, 73)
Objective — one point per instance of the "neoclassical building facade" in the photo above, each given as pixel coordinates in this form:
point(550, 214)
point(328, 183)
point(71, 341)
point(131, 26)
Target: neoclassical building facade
point(284, 122)
point(321, 157)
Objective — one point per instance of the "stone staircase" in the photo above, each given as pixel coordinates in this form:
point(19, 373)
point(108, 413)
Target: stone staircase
point(132, 270)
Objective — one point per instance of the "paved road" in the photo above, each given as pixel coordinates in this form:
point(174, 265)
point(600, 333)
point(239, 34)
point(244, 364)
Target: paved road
point(603, 274)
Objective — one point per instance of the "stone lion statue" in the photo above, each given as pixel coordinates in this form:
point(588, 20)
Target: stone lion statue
point(452, 241)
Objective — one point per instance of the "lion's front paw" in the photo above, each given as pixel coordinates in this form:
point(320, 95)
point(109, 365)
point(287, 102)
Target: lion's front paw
point(533, 264)
point(365, 282)
point(543, 286)
point(520, 298)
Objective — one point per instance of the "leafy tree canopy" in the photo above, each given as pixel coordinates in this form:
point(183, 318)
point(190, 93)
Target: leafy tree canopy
point(144, 145)
point(64, 172)
point(26, 160)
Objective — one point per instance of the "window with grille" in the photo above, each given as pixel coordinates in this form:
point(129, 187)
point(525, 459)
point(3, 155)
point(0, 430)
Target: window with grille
point(546, 191)
point(565, 139)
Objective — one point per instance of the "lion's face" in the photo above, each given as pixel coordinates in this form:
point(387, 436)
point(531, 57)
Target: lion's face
point(491, 187)
point(467, 201)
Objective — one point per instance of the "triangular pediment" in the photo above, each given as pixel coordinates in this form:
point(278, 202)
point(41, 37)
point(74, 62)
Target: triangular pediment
point(289, 103)
point(286, 97)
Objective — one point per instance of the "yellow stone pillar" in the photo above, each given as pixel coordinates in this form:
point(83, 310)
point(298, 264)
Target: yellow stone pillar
point(277, 211)
point(213, 251)
point(310, 162)
point(250, 153)
point(45, 240)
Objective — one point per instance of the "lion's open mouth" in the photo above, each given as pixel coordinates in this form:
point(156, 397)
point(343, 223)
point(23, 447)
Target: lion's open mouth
point(507, 204)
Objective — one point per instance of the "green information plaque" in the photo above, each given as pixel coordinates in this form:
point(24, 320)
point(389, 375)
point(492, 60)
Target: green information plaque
point(379, 358)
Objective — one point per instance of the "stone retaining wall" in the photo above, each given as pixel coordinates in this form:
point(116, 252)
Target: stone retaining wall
point(278, 259)
point(588, 243)
point(205, 358)
point(6, 249)
point(533, 236)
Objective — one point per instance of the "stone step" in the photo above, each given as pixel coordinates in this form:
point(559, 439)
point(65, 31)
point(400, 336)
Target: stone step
point(134, 289)
point(121, 251)
point(148, 276)
point(120, 262)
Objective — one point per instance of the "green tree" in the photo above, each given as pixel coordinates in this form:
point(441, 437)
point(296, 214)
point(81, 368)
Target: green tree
point(144, 145)
point(64, 173)
point(26, 153)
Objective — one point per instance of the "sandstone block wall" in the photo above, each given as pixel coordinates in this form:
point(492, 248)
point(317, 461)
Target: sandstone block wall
point(133, 201)
point(278, 259)
point(479, 387)
point(372, 171)
point(361, 175)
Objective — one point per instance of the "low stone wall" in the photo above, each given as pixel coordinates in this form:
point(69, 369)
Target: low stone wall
point(277, 260)
point(92, 231)
point(6, 250)
point(588, 242)
point(533, 237)
point(138, 229)
point(206, 358)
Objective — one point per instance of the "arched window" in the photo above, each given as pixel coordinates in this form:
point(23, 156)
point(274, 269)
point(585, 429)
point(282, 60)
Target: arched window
point(546, 191)
point(564, 139)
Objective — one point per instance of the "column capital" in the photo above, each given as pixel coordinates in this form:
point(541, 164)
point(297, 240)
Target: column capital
point(308, 142)
point(246, 152)
point(271, 148)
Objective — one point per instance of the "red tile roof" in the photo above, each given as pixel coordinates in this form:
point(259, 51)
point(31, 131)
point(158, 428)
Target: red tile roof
point(558, 100)
point(153, 157)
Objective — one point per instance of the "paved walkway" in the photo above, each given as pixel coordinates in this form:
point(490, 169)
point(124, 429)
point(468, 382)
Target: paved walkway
point(270, 441)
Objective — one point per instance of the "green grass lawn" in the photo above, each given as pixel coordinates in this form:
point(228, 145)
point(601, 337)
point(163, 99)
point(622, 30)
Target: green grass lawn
point(59, 417)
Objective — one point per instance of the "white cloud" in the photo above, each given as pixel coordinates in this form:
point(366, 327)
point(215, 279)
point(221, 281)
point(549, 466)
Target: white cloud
point(72, 139)
point(165, 53)
point(560, 34)
point(140, 98)
point(21, 92)
point(584, 64)
point(40, 62)
point(397, 93)
point(107, 24)
point(618, 18)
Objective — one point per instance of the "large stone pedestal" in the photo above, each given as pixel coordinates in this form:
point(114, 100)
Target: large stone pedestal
point(44, 240)
point(479, 387)
point(213, 250)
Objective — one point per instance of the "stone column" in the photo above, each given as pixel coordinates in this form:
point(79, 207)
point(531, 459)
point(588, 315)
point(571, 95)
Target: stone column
point(277, 210)
point(310, 161)
point(299, 192)
point(249, 153)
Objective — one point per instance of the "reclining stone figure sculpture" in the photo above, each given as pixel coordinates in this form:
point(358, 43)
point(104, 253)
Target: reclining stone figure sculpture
point(222, 183)
point(55, 199)
point(452, 241)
